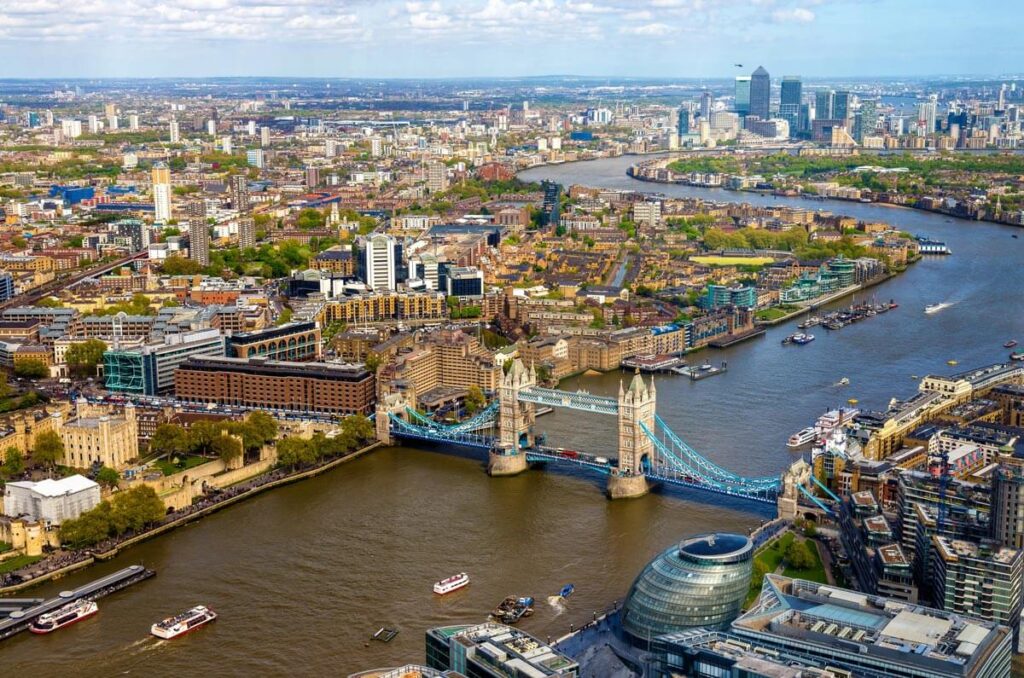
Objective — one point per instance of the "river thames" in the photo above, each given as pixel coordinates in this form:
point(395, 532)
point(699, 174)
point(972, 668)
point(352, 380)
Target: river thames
point(301, 576)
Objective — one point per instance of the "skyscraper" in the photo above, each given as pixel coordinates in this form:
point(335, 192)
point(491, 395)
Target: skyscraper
point(842, 108)
point(743, 94)
point(707, 102)
point(926, 114)
point(824, 104)
point(264, 136)
point(198, 233)
point(175, 132)
point(161, 192)
point(760, 93)
point(789, 102)
point(377, 261)
point(683, 126)
point(240, 193)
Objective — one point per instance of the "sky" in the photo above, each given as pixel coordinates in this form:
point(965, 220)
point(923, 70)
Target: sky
point(481, 38)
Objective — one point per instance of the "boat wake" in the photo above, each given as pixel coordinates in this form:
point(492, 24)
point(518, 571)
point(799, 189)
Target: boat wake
point(935, 308)
point(557, 603)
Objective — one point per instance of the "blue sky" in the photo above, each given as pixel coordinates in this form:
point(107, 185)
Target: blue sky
point(445, 38)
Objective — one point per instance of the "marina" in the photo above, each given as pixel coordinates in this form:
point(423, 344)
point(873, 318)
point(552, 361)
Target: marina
point(19, 620)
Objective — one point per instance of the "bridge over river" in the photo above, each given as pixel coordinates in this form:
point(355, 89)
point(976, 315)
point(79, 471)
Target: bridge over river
point(649, 451)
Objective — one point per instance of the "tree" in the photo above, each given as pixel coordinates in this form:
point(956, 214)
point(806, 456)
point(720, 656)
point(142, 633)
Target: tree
point(294, 452)
point(178, 265)
point(49, 449)
point(309, 219)
point(359, 427)
point(474, 399)
point(91, 527)
point(264, 427)
point(201, 435)
point(797, 556)
point(31, 369)
point(49, 302)
point(108, 477)
point(227, 448)
point(5, 388)
point(83, 357)
point(136, 508)
point(14, 463)
point(169, 440)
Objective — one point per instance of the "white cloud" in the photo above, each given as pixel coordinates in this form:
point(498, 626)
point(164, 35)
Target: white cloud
point(799, 15)
point(652, 29)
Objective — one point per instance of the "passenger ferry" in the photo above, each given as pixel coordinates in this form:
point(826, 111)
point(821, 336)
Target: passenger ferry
point(172, 627)
point(802, 437)
point(453, 583)
point(64, 616)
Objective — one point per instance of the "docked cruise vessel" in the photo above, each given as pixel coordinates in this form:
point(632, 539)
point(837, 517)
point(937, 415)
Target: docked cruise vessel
point(802, 437)
point(453, 583)
point(172, 627)
point(64, 616)
point(833, 419)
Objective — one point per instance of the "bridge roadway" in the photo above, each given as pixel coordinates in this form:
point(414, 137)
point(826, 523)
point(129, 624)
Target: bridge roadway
point(32, 296)
point(20, 620)
point(578, 400)
point(607, 465)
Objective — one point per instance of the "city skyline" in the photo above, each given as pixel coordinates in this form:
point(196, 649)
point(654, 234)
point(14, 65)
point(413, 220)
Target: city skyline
point(661, 38)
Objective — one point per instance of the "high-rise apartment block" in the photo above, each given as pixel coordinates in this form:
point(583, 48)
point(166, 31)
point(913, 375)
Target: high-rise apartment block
point(198, 233)
point(161, 192)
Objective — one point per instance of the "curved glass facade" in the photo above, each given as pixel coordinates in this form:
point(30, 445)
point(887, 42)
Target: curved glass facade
point(699, 583)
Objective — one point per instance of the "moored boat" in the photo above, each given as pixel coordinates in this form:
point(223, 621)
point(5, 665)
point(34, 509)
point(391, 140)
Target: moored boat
point(1018, 354)
point(64, 616)
point(1010, 344)
point(453, 583)
point(566, 591)
point(802, 437)
point(802, 339)
point(179, 625)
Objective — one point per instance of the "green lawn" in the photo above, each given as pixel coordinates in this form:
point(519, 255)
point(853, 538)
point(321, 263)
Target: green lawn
point(815, 573)
point(18, 562)
point(170, 469)
point(775, 312)
point(4, 547)
point(770, 558)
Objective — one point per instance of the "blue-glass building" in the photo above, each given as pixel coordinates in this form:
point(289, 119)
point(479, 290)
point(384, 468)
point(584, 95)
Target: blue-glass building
point(701, 582)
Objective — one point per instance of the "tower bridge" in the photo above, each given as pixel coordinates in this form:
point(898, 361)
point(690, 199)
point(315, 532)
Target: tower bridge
point(648, 449)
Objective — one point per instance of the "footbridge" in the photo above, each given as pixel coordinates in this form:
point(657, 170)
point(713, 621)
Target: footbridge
point(648, 449)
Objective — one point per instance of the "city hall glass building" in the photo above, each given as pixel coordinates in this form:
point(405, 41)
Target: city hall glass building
point(701, 582)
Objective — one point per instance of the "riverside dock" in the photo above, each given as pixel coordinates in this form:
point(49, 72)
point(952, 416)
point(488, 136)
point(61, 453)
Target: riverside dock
point(653, 363)
point(28, 609)
point(698, 372)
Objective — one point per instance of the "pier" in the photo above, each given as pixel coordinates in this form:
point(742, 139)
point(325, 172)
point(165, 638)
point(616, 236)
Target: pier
point(28, 609)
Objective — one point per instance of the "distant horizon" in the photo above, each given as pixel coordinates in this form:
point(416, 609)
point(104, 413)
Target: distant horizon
point(1008, 77)
point(469, 39)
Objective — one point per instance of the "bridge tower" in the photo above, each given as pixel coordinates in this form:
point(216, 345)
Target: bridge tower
point(390, 403)
point(637, 405)
point(515, 421)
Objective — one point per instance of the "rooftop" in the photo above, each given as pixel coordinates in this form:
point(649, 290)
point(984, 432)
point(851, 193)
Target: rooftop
point(56, 488)
point(883, 629)
point(509, 649)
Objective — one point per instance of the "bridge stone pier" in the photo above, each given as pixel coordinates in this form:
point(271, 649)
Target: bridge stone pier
point(636, 406)
point(391, 403)
point(515, 422)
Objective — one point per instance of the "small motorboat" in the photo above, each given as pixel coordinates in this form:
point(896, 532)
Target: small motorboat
point(845, 381)
point(853, 401)
point(566, 591)
point(1010, 344)
point(952, 363)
